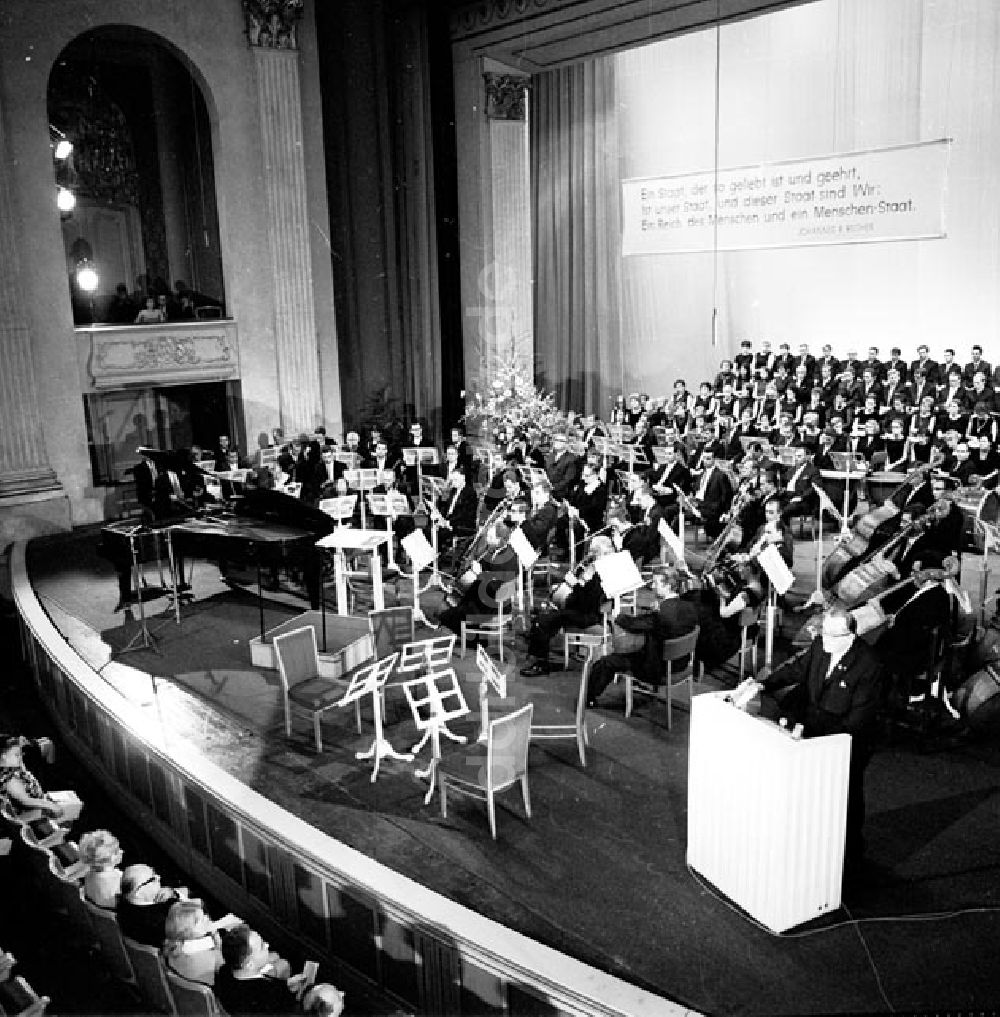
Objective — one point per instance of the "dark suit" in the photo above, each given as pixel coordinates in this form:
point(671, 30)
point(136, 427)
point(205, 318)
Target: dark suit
point(539, 525)
point(562, 473)
point(642, 541)
point(847, 701)
point(497, 566)
point(716, 494)
point(144, 923)
point(581, 610)
point(674, 617)
point(459, 511)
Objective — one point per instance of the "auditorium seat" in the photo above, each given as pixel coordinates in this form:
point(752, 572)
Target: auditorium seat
point(19, 999)
point(109, 938)
point(565, 717)
point(150, 975)
point(192, 999)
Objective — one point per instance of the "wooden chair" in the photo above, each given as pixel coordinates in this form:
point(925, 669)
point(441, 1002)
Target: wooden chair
point(150, 975)
point(19, 999)
point(481, 771)
point(192, 999)
point(494, 628)
point(302, 686)
point(566, 718)
point(109, 938)
point(391, 628)
point(673, 650)
point(594, 636)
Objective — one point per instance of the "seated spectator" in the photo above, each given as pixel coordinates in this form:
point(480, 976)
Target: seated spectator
point(144, 904)
point(20, 790)
point(323, 1001)
point(253, 979)
point(191, 946)
point(102, 852)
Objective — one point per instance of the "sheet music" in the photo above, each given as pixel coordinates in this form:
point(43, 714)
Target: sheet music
point(775, 569)
point(419, 549)
point(673, 541)
point(619, 574)
point(526, 554)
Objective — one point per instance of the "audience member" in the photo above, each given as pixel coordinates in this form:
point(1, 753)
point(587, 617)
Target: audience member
point(144, 904)
point(103, 854)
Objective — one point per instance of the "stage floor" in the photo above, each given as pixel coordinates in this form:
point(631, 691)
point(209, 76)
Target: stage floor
point(599, 871)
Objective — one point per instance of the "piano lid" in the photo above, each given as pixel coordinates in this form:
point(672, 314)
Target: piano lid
point(274, 506)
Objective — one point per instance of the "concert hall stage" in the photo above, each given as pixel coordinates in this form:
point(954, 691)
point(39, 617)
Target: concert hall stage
point(599, 871)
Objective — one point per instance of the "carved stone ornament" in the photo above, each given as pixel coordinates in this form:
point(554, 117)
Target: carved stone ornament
point(272, 24)
point(505, 96)
point(163, 355)
point(474, 17)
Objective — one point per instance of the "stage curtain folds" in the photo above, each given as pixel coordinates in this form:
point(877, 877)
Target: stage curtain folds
point(577, 237)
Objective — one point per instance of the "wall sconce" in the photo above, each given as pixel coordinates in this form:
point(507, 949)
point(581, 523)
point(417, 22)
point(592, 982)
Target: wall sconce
point(63, 149)
point(65, 199)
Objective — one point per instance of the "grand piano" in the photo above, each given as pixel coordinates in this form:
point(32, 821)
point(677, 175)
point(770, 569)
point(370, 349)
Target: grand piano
point(263, 528)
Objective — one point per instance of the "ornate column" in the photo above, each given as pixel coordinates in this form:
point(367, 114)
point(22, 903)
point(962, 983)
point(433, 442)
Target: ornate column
point(507, 281)
point(271, 30)
point(24, 464)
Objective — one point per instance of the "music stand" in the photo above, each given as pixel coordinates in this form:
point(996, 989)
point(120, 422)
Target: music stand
point(420, 457)
point(369, 681)
point(421, 554)
point(391, 506)
point(349, 460)
point(621, 433)
point(532, 475)
point(635, 455)
point(435, 699)
point(526, 557)
point(364, 480)
point(143, 638)
point(340, 507)
point(847, 466)
point(780, 581)
point(605, 446)
point(492, 678)
point(659, 454)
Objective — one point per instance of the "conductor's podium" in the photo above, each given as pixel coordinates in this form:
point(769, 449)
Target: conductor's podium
point(766, 813)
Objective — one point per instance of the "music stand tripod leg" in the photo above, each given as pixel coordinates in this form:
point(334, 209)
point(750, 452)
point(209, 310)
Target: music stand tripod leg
point(143, 638)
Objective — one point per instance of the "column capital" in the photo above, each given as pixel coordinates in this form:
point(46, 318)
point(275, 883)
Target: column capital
point(273, 24)
point(505, 95)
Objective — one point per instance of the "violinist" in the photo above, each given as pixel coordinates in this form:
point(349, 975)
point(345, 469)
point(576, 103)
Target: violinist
point(641, 540)
point(497, 566)
point(539, 526)
point(986, 461)
point(581, 596)
point(672, 618)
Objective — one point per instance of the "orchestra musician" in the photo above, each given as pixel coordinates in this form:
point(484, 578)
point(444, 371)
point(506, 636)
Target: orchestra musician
point(497, 566)
point(719, 600)
point(455, 512)
point(713, 493)
point(672, 618)
point(666, 482)
point(562, 467)
point(774, 530)
point(641, 540)
point(411, 474)
point(540, 524)
point(580, 596)
point(798, 494)
point(586, 506)
point(834, 686)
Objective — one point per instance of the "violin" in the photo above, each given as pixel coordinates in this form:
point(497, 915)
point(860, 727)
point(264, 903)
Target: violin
point(573, 578)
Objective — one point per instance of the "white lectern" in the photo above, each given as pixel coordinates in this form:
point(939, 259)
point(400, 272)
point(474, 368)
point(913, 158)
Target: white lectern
point(767, 813)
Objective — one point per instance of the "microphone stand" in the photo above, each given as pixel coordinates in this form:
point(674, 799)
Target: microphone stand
point(143, 638)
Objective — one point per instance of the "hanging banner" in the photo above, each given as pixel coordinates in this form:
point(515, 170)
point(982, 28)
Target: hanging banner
point(861, 197)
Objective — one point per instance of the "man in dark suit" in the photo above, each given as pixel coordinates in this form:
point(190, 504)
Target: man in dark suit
point(541, 522)
point(925, 364)
point(143, 905)
point(832, 687)
point(673, 618)
point(561, 467)
point(456, 512)
point(807, 360)
point(798, 493)
point(497, 566)
point(672, 477)
point(713, 494)
point(897, 363)
point(828, 358)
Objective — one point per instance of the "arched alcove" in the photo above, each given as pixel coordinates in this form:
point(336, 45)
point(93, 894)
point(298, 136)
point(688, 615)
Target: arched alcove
point(137, 187)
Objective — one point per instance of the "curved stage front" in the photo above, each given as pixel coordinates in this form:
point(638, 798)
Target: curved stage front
point(587, 908)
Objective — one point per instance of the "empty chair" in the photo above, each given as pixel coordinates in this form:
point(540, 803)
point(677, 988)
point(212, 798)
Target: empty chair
point(302, 686)
point(109, 939)
point(673, 651)
point(150, 975)
point(192, 999)
point(494, 626)
point(566, 717)
point(482, 771)
point(390, 628)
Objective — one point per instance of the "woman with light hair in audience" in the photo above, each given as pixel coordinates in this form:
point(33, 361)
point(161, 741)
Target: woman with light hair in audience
point(103, 854)
point(323, 1000)
point(191, 947)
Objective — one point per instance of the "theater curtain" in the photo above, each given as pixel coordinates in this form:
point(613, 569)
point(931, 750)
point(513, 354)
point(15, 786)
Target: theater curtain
point(577, 236)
